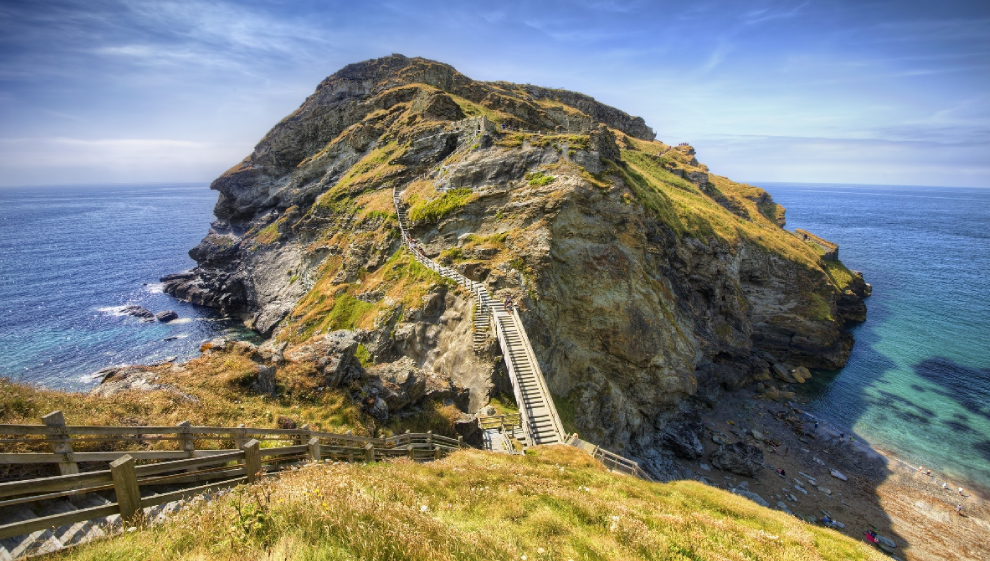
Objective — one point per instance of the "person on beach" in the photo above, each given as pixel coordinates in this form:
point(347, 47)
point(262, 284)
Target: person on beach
point(959, 509)
point(960, 492)
point(945, 485)
point(921, 470)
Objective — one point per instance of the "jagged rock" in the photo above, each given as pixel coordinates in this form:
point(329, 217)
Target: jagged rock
point(801, 374)
point(684, 440)
point(377, 408)
point(740, 458)
point(401, 382)
point(628, 318)
point(783, 506)
point(783, 373)
point(117, 379)
point(751, 496)
point(838, 475)
point(166, 316)
point(138, 312)
point(334, 356)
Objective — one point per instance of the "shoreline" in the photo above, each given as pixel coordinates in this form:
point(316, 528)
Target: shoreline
point(881, 492)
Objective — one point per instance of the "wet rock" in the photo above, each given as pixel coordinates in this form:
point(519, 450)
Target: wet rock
point(739, 458)
point(684, 440)
point(166, 316)
point(138, 312)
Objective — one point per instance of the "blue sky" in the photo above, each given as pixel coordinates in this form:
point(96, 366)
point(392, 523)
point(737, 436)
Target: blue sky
point(893, 92)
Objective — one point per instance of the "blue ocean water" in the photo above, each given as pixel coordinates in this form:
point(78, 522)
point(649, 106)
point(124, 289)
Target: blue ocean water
point(918, 381)
point(71, 256)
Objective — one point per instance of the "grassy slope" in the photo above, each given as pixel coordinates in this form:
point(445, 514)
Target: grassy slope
point(554, 503)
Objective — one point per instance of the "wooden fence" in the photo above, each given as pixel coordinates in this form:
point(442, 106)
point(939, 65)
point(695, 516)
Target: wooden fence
point(254, 453)
point(501, 422)
point(612, 461)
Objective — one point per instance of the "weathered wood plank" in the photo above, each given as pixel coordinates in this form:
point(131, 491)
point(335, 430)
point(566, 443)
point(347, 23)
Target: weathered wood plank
point(125, 486)
point(206, 461)
point(191, 492)
point(54, 484)
point(56, 520)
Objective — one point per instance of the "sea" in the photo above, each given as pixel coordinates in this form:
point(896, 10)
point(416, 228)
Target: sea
point(71, 257)
point(916, 386)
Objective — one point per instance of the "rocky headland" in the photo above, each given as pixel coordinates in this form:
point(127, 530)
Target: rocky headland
point(647, 282)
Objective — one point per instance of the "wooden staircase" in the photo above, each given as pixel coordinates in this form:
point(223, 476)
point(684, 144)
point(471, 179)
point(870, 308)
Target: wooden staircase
point(540, 421)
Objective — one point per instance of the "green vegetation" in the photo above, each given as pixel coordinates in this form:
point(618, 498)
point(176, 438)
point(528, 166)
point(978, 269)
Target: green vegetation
point(363, 356)
point(553, 503)
point(434, 210)
point(839, 273)
point(567, 411)
point(818, 308)
point(539, 178)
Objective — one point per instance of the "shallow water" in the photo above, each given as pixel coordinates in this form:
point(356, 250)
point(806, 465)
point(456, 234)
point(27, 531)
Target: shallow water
point(918, 381)
point(70, 257)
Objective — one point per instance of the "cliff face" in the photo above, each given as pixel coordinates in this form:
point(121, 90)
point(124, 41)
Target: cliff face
point(645, 279)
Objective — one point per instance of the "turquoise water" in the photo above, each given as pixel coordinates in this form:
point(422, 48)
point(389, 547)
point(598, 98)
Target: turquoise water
point(918, 381)
point(70, 257)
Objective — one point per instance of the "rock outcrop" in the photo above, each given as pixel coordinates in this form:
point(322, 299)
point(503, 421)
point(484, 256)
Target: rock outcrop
point(645, 280)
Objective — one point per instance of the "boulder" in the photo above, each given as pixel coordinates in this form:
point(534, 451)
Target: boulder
point(376, 407)
point(739, 458)
point(684, 440)
point(166, 316)
point(117, 379)
point(467, 426)
point(333, 355)
point(138, 312)
point(783, 373)
point(801, 374)
point(265, 382)
point(400, 383)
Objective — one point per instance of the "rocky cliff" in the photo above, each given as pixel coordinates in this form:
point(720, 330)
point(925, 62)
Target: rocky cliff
point(645, 280)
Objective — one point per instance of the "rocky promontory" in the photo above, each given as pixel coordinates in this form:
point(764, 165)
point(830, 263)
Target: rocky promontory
point(646, 281)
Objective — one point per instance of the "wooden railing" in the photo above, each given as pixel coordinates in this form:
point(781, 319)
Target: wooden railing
point(501, 422)
point(207, 470)
point(64, 440)
point(612, 461)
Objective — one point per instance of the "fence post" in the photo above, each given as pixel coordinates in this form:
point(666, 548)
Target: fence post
point(369, 452)
point(411, 451)
point(186, 442)
point(314, 449)
point(460, 441)
point(436, 452)
point(304, 437)
point(60, 442)
point(429, 437)
point(252, 460)
point(239, 437)
point(126, 487)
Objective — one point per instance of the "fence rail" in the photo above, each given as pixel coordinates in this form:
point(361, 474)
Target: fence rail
point(502, 422)
point(207, 471)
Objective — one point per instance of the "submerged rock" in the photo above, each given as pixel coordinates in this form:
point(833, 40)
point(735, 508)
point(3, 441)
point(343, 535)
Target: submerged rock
point(138, 312)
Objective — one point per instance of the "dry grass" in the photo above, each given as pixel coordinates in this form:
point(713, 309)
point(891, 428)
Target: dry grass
point(219, 385)
point(553, 503)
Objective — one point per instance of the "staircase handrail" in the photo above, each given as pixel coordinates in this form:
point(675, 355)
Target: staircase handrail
point(538, 374)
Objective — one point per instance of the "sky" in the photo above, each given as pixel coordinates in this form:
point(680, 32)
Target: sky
point(869, 92)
